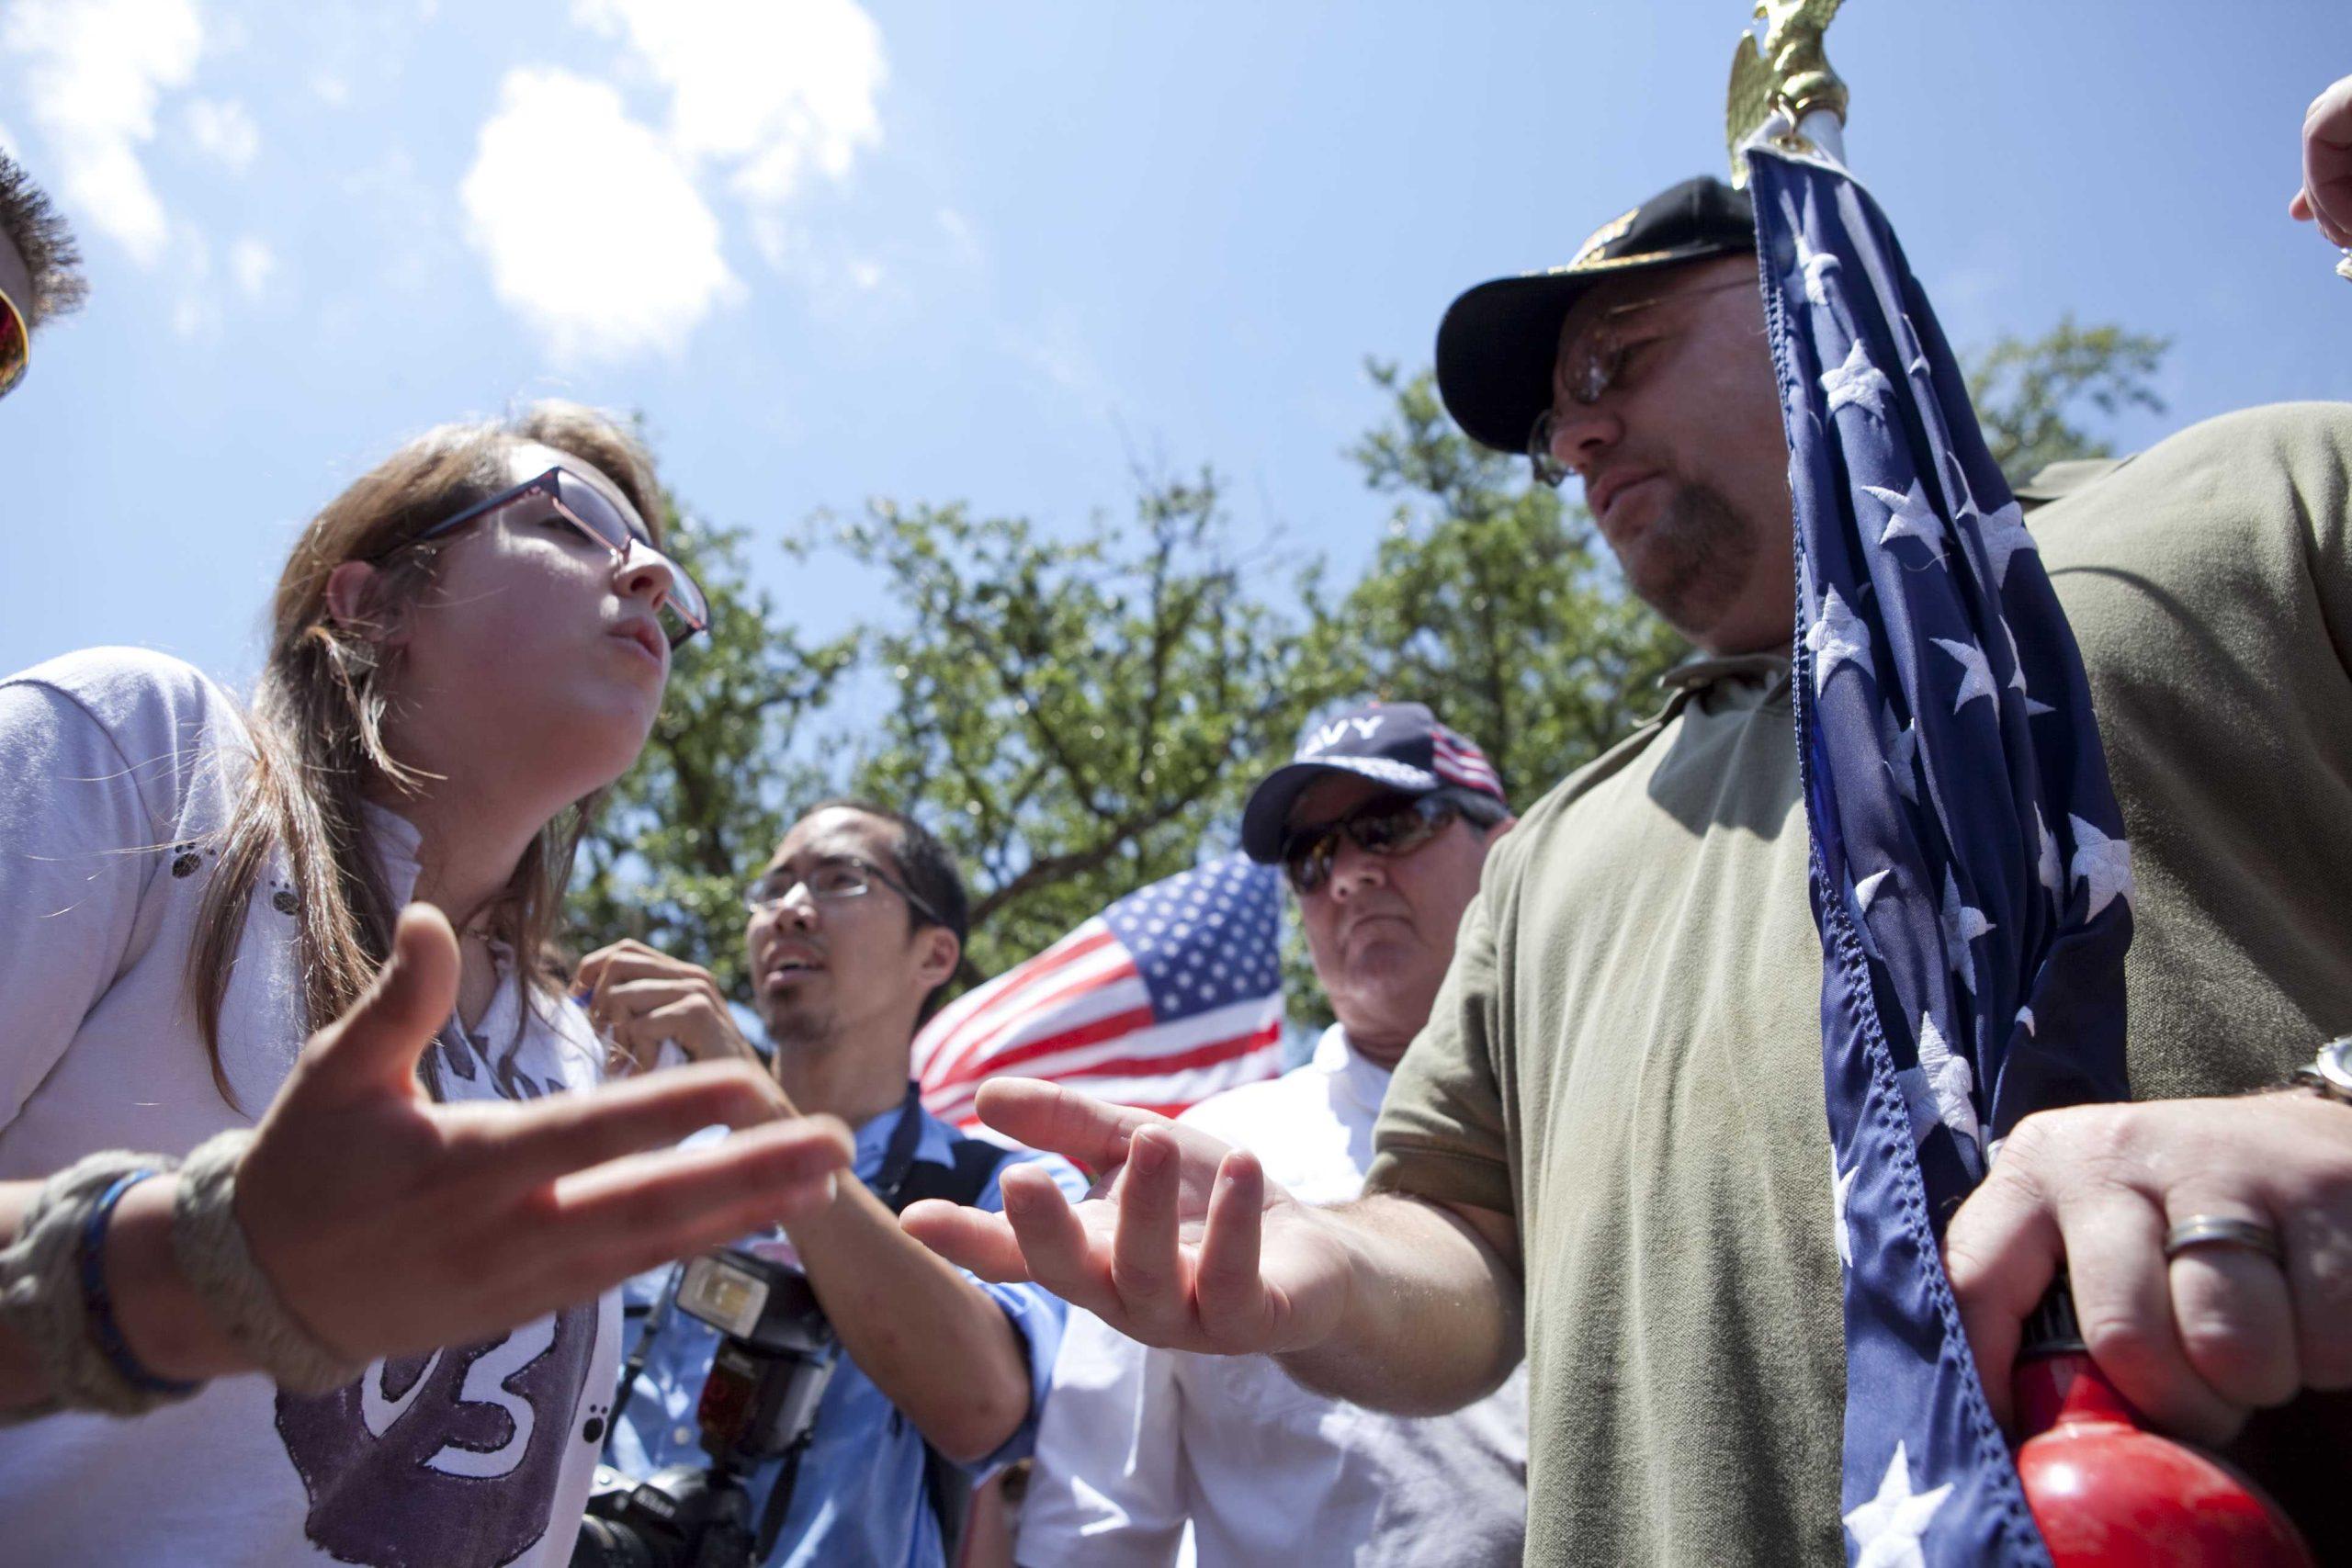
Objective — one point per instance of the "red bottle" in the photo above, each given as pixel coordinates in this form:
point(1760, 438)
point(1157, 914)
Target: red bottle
point(2107, 1493)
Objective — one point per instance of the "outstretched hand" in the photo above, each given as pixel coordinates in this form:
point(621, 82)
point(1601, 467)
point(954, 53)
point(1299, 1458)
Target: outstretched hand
point(2326, 197)
point(1184, 1244)
point(390, 1224)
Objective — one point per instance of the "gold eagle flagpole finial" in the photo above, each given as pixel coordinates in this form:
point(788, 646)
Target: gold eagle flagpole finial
point(1788, 75)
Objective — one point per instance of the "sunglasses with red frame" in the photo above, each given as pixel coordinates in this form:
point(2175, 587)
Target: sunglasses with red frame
point(15, 344)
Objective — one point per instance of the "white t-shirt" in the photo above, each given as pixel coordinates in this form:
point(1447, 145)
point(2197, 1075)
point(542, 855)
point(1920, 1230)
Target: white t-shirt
point(116, 768)
point(1134, 1442)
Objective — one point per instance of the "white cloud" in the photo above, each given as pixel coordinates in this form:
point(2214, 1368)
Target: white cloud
point(93, 71)
point(222, 130)
point(591, 225)
point(771, 90)
point(253, 264)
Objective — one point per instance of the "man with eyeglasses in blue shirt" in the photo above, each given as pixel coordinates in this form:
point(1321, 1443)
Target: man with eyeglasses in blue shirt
point(855, 926)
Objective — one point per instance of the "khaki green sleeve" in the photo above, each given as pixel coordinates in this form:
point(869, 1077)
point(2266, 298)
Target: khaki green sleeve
point(2209, 585)
point(1441, 1133)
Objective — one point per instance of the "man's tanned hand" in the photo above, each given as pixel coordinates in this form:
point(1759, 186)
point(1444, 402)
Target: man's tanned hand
point(1184, 1245)
point(641, 996)
point(2199, 1341)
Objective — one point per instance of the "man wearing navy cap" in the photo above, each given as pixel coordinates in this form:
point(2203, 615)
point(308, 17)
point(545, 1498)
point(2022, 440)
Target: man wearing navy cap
point(1382, 823)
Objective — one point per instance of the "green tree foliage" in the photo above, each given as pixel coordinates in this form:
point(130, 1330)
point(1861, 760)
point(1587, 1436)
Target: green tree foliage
point(2032, 394)
point(1078, 716)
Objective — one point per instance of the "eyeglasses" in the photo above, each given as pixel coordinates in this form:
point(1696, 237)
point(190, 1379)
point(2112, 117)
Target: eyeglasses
point(833, 880)
point(1591, 365)
point(682, 609)
point(16, 345)
point(1389, 826)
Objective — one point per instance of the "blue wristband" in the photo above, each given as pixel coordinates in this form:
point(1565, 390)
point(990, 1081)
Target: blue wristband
point(97, 1303)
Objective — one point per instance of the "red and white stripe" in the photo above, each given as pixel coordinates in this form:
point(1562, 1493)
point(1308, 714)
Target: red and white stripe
point(1458, 760)
point(1078, 1014)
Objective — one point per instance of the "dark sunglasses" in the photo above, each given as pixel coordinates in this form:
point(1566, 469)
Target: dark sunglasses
point(16, 345)
point(1389, 826)
point(684, 609)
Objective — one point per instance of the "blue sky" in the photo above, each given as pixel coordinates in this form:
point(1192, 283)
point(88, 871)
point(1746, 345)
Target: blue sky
point(998, 253)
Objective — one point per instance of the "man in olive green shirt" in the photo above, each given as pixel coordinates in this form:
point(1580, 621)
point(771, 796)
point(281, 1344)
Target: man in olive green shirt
point(1610, 1140)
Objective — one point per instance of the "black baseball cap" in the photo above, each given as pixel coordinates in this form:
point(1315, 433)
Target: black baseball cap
point(1401, 745)
point(1497, 344)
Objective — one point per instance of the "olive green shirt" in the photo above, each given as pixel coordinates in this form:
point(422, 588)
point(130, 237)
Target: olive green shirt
point(1626, 1053)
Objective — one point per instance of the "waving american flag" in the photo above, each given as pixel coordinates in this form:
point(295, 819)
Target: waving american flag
point(1969, 871)
point(1168, 997)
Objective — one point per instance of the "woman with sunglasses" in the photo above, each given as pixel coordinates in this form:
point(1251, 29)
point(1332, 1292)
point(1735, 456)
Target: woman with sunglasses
point(467, 648)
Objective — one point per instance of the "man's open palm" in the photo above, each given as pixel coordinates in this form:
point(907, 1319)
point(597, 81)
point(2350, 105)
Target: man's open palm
point(1184, 1243)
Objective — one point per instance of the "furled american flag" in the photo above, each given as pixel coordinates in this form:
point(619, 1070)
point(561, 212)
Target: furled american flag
point(1969, 871)
point(1168, 997)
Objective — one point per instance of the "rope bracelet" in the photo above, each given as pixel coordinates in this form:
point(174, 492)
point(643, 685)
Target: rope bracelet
point(45, 1294)
point(53, 1292)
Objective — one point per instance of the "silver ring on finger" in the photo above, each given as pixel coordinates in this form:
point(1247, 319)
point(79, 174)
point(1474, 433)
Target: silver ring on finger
point(2217, 1230)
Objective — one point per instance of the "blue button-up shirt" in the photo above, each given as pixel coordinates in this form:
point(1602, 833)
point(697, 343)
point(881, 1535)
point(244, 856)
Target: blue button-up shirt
point(860, 1495)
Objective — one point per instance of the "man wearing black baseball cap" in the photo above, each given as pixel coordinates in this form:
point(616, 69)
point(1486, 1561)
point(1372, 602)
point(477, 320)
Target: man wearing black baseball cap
point(1382, 823)
point(1608, 1150)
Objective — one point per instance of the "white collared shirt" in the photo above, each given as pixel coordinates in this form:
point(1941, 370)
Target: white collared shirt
point(1136, 1442)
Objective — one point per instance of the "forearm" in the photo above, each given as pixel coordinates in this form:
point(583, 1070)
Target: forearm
point(1433, 1319)
point(937, 1347)
point(167, 1327)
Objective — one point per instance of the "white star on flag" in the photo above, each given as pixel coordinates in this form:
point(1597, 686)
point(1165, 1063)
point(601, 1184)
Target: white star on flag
point(1975, 672)
point(1956, 488)
point(1839, 635)
point(1887, 1529)
point(1816, 267)
point(2025, 1017)
point(2017, 674)
point(2045, 862)
point(1962, 926)
point(1867, 888)
point(1840, 1186)
point(2005, 534)
point(1857, 381)
point(1937, 1088)
point(1910, 517)
point(2104, 862)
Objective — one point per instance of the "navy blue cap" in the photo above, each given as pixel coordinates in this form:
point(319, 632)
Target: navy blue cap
point(1401, 745)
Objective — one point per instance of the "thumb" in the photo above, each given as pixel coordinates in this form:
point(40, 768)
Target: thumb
point(377, 1041)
